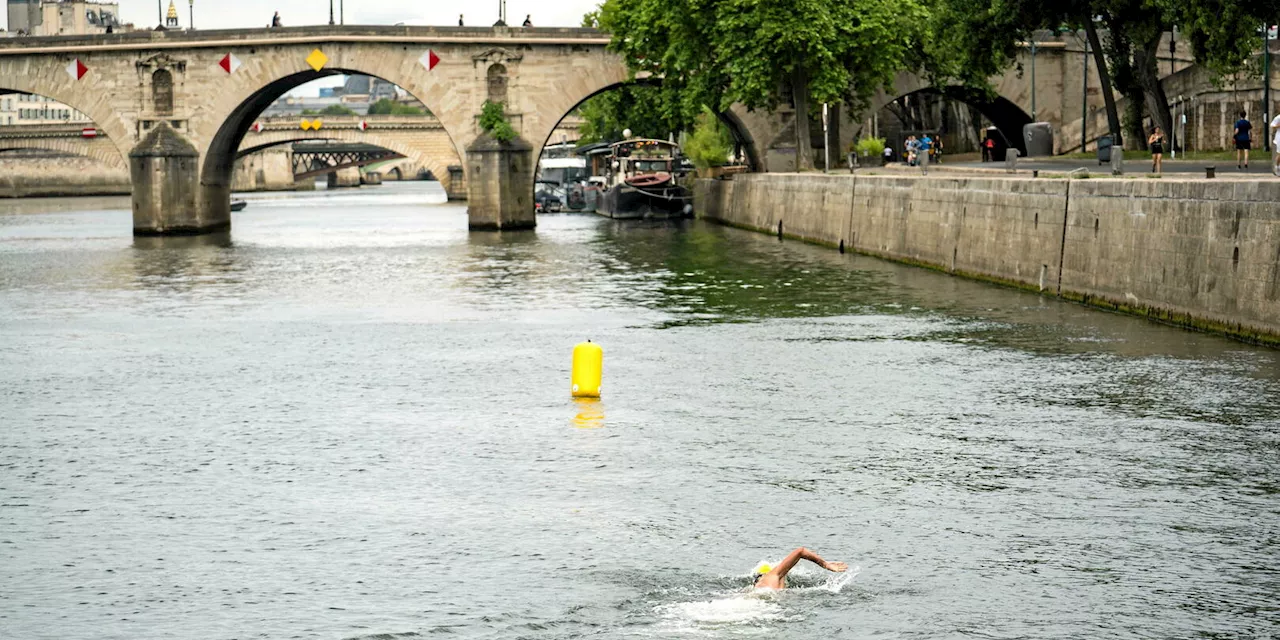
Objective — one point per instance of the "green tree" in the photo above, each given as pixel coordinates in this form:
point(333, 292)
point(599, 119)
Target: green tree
point(389, 107)
point(971, 40)
point(637, 107)
point(493, 120)
point(337, 110)
point(764, 53)
point(710, 144)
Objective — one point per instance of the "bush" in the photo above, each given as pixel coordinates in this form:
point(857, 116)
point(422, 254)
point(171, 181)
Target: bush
point(493, 120)
point(389, 107)
point(337, 110)
point(868, 147)
point(710, 144)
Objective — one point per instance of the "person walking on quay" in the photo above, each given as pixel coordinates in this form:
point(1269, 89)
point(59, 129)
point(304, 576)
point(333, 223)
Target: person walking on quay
point(1275, 145)
point(988, 150)
point(528, 20)
point(937, 150)
point(1243, 137)
point(909, 151)
point(1156, 143)
point(926, 147)
point(275, 21)
point(460, 21)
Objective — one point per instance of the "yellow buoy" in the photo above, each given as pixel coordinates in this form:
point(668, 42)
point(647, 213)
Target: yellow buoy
point(588, 368)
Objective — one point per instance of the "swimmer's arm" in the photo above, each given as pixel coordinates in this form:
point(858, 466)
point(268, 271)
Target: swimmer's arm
point(789, 562)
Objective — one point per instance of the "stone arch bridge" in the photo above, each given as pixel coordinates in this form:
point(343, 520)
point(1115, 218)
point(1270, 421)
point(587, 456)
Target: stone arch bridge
point(178, 105)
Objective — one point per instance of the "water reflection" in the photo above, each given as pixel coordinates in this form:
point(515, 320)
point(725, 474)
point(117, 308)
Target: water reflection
point(590, 413)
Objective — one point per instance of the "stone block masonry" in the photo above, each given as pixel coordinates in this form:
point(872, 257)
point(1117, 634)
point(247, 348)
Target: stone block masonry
point(1201, 254)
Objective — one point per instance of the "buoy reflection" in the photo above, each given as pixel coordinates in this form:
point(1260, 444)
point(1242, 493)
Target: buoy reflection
point(590, 414)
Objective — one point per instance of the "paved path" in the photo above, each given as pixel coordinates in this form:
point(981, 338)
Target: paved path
point(1258, 164)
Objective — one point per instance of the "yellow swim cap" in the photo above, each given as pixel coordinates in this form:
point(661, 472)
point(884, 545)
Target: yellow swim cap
point(763, 568)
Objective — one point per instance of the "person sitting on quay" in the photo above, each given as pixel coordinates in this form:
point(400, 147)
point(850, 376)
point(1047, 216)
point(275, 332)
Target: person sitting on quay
point(275, 21)
point(528, 20)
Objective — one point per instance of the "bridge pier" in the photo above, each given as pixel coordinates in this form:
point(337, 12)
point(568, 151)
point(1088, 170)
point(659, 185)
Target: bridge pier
point(164, 169)
point(345, 178)
point(500, 185)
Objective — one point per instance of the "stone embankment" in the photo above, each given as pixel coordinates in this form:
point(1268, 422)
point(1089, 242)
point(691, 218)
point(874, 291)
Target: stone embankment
point(1202, 254)
point(30, 177)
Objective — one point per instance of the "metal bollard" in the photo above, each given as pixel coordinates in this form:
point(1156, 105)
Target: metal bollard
point(1210, 172)
point(1011, 160)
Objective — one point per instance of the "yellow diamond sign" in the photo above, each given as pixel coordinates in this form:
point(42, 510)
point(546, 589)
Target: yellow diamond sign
point(317, 59)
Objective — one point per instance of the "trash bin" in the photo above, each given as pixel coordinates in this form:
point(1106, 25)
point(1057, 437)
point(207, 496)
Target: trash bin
point(1104, 149)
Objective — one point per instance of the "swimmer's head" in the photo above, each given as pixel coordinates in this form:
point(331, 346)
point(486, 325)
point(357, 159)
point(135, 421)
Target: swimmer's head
point(761, 570)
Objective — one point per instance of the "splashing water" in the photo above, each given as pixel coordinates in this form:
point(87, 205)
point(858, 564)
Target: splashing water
point(745, 611)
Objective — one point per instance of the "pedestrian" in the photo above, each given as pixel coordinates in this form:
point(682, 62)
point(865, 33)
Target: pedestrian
point(1156, 142)
point(937, 150)
point(460, 20)
point(989, 150)
point(888, 155)
point(909, 150)
point(1244, 140)
point(275, 21)
point(1275, 144)
point(925, 147)
point(528, 20)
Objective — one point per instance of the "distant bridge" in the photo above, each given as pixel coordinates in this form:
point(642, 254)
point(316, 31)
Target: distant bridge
point(312, 159)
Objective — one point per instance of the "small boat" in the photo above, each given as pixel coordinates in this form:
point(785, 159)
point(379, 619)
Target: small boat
point(640, 181)
point(238, 205)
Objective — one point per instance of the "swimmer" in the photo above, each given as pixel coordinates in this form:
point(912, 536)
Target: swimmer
point(775, 577)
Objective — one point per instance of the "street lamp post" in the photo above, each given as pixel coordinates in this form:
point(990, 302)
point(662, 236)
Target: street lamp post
point(191, 19)
point(160, 10)
point(1084, 101)
point(1033, 77)
point(1266, 82)
point(331, 13)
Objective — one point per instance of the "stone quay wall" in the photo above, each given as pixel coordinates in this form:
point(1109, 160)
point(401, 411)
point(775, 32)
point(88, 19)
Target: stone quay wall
point(35, 177)
point(1203, 254)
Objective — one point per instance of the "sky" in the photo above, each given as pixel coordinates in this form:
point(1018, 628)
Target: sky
point(239, 14)
point(230, 14)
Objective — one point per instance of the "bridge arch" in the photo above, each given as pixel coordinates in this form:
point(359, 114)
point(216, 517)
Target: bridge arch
point(437, 165)
point(107, 148)
point(98, 149)
point(283, 74)
point(1006, 115)
point(733, 120)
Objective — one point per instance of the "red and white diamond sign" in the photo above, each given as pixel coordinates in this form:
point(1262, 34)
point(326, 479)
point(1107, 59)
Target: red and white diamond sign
point(257, 127)
point(364, 125)
point(229, 63)
point(77, 69)
point(429, 60)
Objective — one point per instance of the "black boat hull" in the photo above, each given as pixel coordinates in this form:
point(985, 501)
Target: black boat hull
point(624, 202)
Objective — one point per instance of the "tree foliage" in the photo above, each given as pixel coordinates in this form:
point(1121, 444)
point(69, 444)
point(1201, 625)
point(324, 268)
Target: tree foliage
point(971, 40)
point(638, 107)
point(493, 120)
point(389, 107)
point(764, 53)
point(337, 110)
point(710, 144)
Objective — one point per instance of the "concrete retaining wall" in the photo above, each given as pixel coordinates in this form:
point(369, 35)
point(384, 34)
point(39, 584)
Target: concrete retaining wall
point(26, 177)
point(1198, 253)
